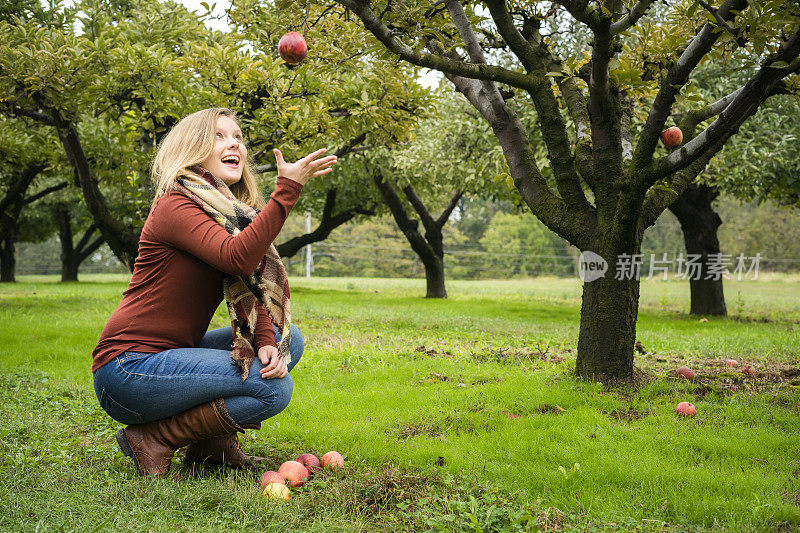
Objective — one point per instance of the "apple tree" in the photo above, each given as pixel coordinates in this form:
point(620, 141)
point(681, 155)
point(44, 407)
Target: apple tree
point(611, 180)
point(121, 76)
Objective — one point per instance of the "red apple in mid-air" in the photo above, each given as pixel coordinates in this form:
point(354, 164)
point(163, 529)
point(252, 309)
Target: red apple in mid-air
point(295, 473)
point(310, 461)
point(731, 362)
point(685, 372)
point(292, 47)
point(686, 409)
point(276, 491)
point(672, 137)
point(271, 476)
point(332, 460)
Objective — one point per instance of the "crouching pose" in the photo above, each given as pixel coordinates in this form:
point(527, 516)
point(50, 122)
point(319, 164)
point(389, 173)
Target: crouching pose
point(208, 236)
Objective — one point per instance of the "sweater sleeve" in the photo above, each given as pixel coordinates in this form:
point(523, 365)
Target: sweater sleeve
point(185, 226)
point(263, 335)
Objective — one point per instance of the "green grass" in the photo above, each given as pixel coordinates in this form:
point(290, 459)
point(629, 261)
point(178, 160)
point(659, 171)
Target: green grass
point(453, 414)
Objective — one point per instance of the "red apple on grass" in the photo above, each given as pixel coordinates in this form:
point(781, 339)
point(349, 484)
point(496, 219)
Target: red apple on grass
point(750, 370)
point(686, 409)
point(685, 372)
point(276, 491)
point(295, 473)
point(292, 47)
point(672, 137)
point(731, 363)
point(332, 460)
point(310, 461)
point(270, 476)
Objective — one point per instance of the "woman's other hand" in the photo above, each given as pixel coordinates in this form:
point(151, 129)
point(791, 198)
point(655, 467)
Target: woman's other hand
point(304, 169)
point(274, 363)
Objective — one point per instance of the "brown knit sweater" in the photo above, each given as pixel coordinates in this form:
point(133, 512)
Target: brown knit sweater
point(177, 278)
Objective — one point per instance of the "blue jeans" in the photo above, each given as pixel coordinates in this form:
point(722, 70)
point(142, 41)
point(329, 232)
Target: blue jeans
point(140, 387)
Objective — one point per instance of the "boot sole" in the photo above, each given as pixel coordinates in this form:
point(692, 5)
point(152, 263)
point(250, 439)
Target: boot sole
point(126, 448)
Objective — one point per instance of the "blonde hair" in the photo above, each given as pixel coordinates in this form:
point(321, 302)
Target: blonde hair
point(189, 143)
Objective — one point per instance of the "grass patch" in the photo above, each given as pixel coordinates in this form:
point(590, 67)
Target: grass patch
point(453, 415)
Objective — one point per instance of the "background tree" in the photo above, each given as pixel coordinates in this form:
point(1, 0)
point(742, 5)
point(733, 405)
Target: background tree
point(452, 155)
point(603, 87)
point(28, 173)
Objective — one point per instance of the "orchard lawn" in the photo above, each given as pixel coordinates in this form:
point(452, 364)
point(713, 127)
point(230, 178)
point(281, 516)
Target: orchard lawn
point(459, 414)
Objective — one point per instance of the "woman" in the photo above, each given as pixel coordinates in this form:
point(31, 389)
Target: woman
point(155, 367)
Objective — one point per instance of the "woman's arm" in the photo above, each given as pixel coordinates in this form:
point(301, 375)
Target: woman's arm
point(183, 224)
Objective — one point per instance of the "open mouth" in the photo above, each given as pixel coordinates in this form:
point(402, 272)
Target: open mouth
point(231, 161)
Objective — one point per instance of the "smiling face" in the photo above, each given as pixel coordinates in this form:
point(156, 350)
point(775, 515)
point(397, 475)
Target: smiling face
point(227, 158)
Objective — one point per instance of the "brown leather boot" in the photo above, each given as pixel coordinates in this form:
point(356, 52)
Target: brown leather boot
point(153, 444)
point(224, 450)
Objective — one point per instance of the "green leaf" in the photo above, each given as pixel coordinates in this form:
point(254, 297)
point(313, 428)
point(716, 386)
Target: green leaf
point(778, 64)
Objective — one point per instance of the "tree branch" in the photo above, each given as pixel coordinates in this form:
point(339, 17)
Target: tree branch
point(435, 61)
point(536, 60)
point(580, 11)
point(124, 241)
point(35, 115)
point(721, 21)
point(676, 78)
point(422, 210)
point(327, 224)
point(45, 192)
point(351, 146)
point(637, 11)
point(89, 250)
point(86, 236)
point(695, 117)
point(742, 106)
point(605, 119)
point(406, 225)
point(448, 210)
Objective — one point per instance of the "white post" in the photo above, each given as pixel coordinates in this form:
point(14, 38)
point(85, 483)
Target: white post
point(309, 259)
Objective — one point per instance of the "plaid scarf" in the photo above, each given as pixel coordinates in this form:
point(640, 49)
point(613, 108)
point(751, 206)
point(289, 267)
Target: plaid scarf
point(267, 286)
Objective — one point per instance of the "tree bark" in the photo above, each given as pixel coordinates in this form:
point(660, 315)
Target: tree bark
point(700, 223)
point(608, 328)
point(8, 262)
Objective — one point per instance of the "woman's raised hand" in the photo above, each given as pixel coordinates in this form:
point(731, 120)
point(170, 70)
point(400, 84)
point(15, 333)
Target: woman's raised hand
point(304, 169)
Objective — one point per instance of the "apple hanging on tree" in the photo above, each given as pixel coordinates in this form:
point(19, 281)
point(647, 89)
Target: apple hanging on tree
point(672, 137)
point(292, 47)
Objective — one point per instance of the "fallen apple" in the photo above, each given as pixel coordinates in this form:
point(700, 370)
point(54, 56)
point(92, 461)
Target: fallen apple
point(276, 491)
point(750, 370)
point(686, 409)
point(295, 473)
point(672, 137)
point(332, 460)
point(271, 476)
point(310, 461)
point(731, 363)
point(292, 47)
point(685, 372)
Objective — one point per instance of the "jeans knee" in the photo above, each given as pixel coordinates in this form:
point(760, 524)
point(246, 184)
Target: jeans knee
point(274, 397)
point(296, 346)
